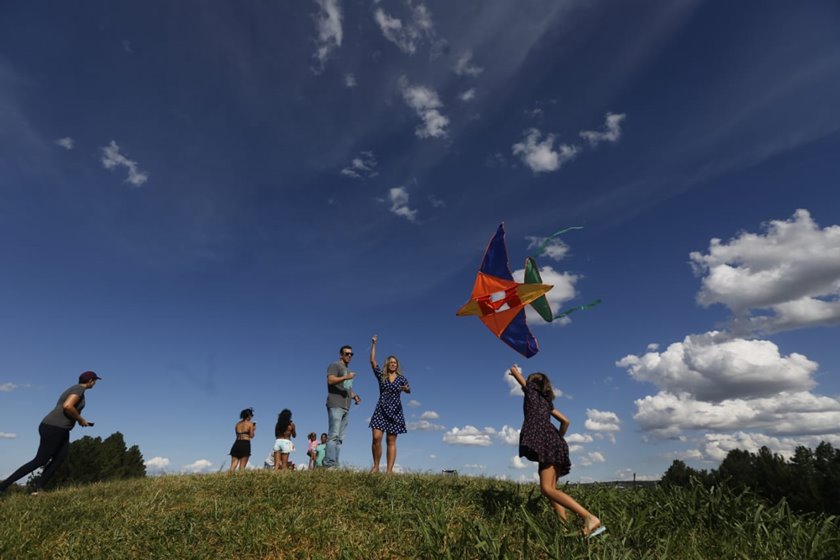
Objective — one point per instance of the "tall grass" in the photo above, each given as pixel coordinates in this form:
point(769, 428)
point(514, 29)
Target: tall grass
point(343, 514)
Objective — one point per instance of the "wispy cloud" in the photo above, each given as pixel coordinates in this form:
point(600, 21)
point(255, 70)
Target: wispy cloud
point(9, 387)
point(409, 35)
point(67, 143)
point(427, 105)
point(7, 435)
point(328, 23)
point(464, 65)
point(413, 403)
point(350, 80)
point(611, 132)
point(425, 425)
point(398, 197)
point(362, 167)
point(112, 158)
point(430, 415)
point(540, 155)
point(468, 95)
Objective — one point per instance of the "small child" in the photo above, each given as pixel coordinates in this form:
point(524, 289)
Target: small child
point(320, 451)
point(310, 451)
point(541, 442)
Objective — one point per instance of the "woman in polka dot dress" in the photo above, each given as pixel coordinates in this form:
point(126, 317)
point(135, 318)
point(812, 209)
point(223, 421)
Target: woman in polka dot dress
point(388, 417)
point(541, 442)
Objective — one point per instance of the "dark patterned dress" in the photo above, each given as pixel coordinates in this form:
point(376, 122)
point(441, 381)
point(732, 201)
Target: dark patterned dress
point(539, 439)
point(388, 415)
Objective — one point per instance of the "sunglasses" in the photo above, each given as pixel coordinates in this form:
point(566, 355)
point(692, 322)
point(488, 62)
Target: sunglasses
point(347, 354)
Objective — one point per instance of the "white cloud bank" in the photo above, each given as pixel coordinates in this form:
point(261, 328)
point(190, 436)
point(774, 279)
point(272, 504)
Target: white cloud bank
point(786, 278)
point(330, 34)
point(112, 158)
point(427, 105)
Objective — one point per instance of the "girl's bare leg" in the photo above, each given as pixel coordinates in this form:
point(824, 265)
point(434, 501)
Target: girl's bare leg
point(391, 452)
point(376, 449)
point(284, 461)
point(548, 482)
point(277, 456)
point(233, 462)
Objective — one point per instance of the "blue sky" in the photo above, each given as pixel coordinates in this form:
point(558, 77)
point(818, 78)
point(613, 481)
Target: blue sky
point(202, 201)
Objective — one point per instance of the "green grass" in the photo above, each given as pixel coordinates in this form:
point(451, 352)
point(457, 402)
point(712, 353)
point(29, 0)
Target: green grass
point(343, 514)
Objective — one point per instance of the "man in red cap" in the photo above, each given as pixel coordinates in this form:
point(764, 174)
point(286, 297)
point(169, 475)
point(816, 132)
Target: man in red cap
point(55, 432)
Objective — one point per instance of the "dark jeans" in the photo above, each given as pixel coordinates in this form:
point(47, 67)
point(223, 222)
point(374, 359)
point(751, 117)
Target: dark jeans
point(55, 442)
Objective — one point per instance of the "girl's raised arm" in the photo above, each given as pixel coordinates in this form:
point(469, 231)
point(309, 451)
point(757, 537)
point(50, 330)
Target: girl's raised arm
point(517, 374)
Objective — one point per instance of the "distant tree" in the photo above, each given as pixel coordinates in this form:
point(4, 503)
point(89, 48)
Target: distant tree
point(93, 460)
point(737, 470)
point(678, 474)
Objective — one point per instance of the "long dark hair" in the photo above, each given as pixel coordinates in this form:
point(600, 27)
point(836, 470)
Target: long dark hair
point(543, 384)
point(246, 413)
point(283, 421)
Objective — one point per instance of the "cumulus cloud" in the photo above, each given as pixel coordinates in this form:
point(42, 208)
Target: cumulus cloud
point(328, 23)
point(785, 278)
point(508, 435)
point(427, 105)
point(414, 403)
point(425, 426)
point(398, 197)
point(362, 167)
point(469, 435)
point(717, 446)
point(112, 158)
point(156, 464)
point(563, 291)
point(578, 438)
point(666, 414)
point(591, 458)
point(464, 66)
point(712, 366)
point(555, 249)
point(611, 132)
point(67, 143)
point(468, 95)
point(430, 415)
point(540, 155)
point(408, 35)
point(7, 435)
point(199, 466)
point(602, 421)
point(516, 462)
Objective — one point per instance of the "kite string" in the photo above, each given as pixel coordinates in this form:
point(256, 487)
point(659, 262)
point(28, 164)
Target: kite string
point(542, 246)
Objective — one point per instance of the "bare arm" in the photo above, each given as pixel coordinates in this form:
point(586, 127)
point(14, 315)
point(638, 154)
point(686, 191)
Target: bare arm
point(336, 379)
point(564, 421)
point(373, 363)
point(70, 410)
point(516, 373)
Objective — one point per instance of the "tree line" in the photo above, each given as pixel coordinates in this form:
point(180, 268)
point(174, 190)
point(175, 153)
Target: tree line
point(809, 481)
point(92, 459)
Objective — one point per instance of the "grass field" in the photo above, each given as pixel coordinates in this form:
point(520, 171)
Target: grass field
point(345, 514)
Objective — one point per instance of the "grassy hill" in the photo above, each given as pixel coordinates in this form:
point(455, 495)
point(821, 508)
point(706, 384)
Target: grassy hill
point(344, 514)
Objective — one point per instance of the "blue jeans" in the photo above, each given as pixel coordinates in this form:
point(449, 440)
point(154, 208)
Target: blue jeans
point(339, 418)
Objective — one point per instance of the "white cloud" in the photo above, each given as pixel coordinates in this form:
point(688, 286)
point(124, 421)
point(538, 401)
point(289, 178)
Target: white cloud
point(67, 143)
point(425, 425)
point(350, 80)
point(612, 132)
point(508, 435)
point(713, 367)
point(199, 466)
point(717, 446)
point(469, 435)
point(464, 65)
point(516, 462)
point(540, 156)
point(407, 36)
point(468, 95)
point(436, 202)
point(591, 458)
point(602, 421)
point(362, 167)
point(792, 271)
point(430, 415)
point(8, 387)
point(398, 197)
point(112, 158)
point(7, 435)
point(627, 474)
point(328, 22)
point(578, 438)
point(426, 104)
point(476, 466)
point(563, 291)
point(156, 464)
point(555, 249)
point(652, 347)
point(414, 403)
point(685, 455)
point(515, 388)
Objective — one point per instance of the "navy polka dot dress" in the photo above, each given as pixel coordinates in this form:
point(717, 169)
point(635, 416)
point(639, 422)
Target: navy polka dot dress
point(388, 415)
point(539, 439)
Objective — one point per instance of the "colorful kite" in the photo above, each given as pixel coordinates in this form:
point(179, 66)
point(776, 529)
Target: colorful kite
point(500, 302)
